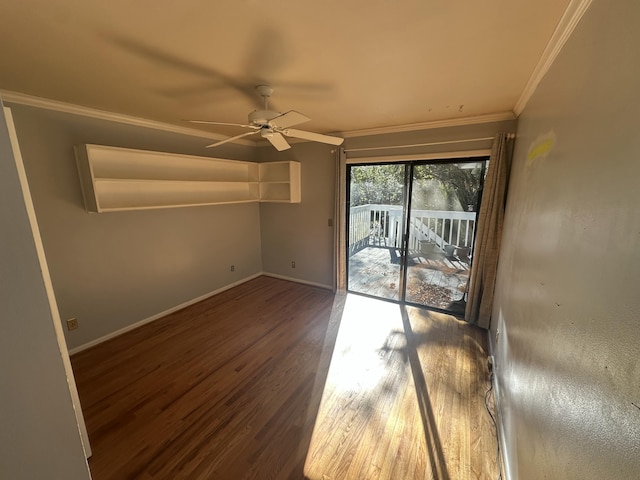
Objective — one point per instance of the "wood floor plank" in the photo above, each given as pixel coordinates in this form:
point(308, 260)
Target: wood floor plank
point(277, 380)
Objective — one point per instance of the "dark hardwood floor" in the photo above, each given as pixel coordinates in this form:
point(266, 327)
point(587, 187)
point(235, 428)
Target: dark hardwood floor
point(240, 386)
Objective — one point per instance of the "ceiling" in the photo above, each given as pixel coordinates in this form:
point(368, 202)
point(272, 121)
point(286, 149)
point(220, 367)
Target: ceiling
point(349, 65)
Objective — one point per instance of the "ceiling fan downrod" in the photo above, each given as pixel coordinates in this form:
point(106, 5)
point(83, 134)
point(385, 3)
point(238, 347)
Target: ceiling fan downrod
point(265, 92)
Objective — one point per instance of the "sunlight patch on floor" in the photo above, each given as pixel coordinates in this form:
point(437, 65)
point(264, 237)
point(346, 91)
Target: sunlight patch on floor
point(363, 399)
point(403, 398)
point(360, 365)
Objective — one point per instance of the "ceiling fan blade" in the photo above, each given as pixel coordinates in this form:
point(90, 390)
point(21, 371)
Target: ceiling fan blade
point(149, 52)
point(314, 137)
point(207, 122)
point(231, 139)
point(278, 141)
point(288, 119)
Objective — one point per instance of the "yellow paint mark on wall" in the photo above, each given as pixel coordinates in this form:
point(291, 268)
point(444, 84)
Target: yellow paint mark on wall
point(541, 147)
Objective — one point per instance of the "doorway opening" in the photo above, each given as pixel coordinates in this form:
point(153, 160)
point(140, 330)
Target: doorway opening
point(411, 230)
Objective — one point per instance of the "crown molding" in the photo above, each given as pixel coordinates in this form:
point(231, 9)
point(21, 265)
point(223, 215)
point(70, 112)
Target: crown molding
point(55, 105)
point(456, 122)
point(567, 24)
point(47, 104)
point(453, 122)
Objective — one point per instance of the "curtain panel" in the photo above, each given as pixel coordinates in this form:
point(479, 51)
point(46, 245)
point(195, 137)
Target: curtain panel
point(340, 225)
point(489, 234)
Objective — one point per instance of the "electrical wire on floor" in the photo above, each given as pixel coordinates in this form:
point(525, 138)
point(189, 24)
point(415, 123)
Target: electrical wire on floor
point(495, 423)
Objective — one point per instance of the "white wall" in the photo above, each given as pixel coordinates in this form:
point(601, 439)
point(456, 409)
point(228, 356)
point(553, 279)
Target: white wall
point(432, 142)
point(114, 269)
point(300, 232)
point(567, 308)
point(39, 435)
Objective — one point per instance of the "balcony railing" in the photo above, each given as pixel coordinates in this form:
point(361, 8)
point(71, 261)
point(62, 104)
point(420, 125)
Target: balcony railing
point(430, 231)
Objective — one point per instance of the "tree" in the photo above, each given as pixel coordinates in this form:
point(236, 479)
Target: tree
point(384, 184)
point(377, 184)
point(464, 183)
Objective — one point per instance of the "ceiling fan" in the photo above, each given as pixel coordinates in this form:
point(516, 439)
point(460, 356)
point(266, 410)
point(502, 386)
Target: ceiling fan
point(274, 126)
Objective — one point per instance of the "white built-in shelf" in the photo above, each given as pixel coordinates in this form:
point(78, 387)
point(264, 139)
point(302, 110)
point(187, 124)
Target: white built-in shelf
point(280, 182)
point(115, 179)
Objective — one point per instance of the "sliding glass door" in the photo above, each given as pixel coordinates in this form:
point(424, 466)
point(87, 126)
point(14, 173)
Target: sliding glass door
point(412, 230)
point(376, 219)
point(440, 234)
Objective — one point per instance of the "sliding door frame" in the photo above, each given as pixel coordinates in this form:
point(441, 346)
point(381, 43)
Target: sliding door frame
point(409, 162)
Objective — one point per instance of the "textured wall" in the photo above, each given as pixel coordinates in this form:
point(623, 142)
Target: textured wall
point(567, 310)
point(431, 142)
point(300, 232)
point(39, 437)
point(111, 270)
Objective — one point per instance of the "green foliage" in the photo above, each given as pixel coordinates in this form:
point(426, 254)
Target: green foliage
point(464, 183)
point(437, 186)
point(377, 184)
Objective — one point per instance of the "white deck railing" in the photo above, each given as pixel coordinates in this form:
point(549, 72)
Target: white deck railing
point(429, 229)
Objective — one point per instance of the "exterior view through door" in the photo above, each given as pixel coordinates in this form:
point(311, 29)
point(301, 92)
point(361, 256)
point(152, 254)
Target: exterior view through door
point(411, 230)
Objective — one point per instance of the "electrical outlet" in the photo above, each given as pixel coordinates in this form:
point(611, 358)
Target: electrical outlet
point(233, 268)
point(72, 324)
point(293, 264)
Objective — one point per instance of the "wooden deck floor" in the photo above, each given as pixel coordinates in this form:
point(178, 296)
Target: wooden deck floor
point(276, 380)
point(432, 280)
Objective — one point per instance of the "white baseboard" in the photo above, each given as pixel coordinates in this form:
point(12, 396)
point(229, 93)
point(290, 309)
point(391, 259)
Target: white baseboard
point(135, 325)
point(188, 303)
point(297, 280)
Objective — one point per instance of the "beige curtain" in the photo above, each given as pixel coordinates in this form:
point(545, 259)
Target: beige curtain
point(340, 222)
point(489, 234)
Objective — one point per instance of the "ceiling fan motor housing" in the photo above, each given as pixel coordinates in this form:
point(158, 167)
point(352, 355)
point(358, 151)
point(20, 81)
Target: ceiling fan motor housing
point(274, 126)
point(262, 117)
